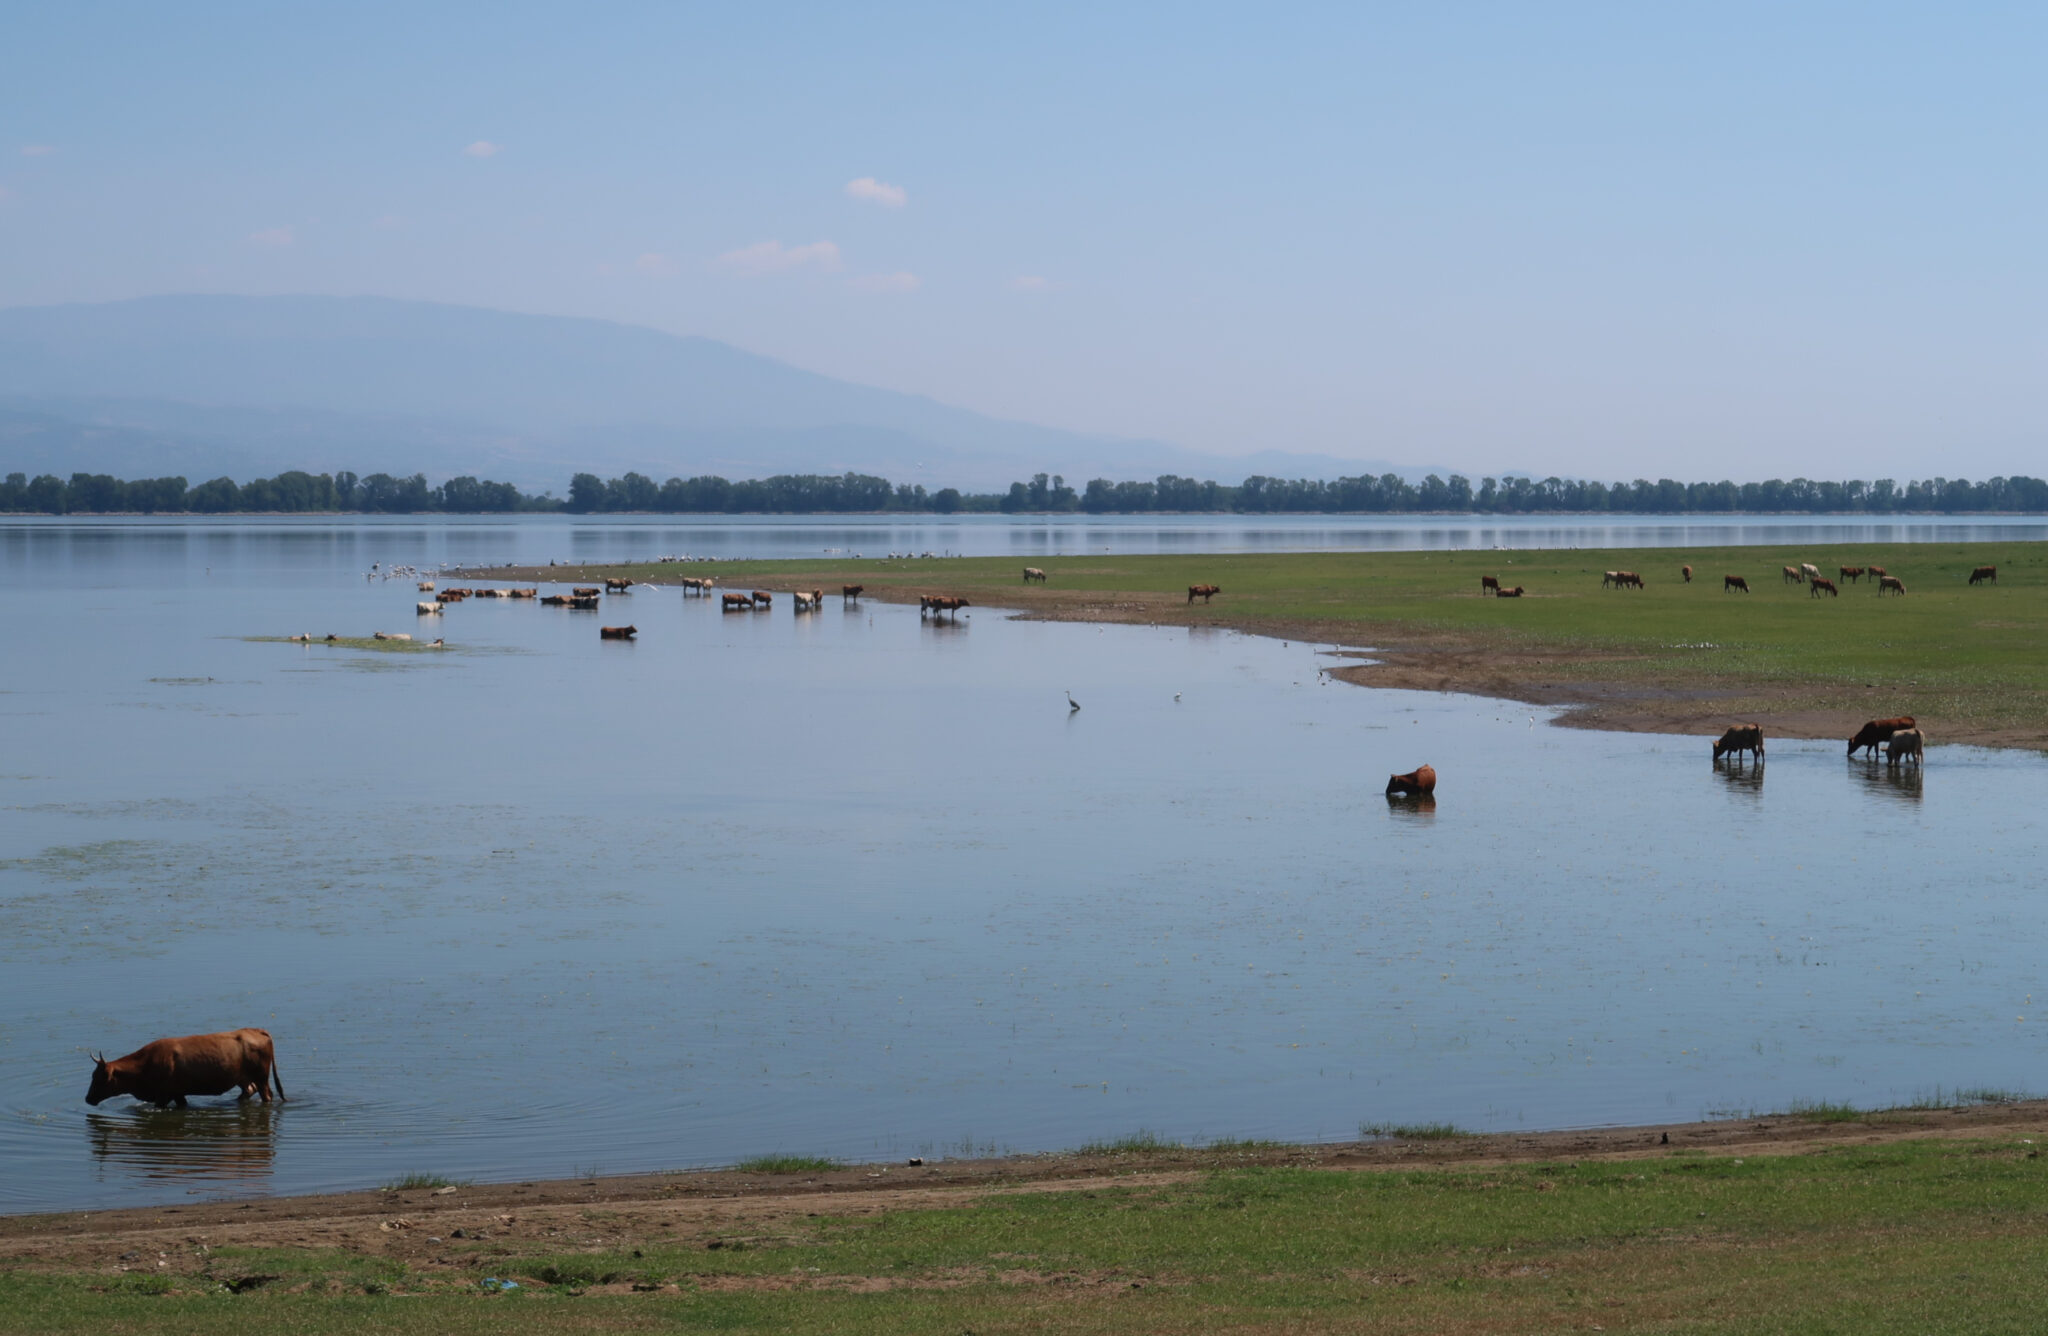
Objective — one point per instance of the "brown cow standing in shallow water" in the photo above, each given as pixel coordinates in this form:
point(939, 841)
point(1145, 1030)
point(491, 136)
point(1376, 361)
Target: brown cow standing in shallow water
point(165, 1071)
point(1877, 731)
point(1417, 783)
point(1204, 592)
point(736, 603)
point(617, 632)
point(762, 598)
point(1741, 738)
point(850, 593)
point(1729, 582)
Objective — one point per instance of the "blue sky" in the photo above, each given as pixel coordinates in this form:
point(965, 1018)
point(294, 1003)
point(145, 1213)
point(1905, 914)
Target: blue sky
point(1620, 240)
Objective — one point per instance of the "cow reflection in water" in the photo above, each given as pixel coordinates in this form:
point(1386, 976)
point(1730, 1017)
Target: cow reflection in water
point(1420, 806)
point(225, 1143)
point(1893, 783)
point(1741, 774)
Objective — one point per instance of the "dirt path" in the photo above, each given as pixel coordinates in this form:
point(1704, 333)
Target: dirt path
point(715, 1208)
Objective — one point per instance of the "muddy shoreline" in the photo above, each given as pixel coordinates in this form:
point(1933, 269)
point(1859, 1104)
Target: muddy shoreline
point(412, 1222)
point(1403, 658)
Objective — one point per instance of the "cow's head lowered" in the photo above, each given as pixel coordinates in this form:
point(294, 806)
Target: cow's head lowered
point(105, 1084)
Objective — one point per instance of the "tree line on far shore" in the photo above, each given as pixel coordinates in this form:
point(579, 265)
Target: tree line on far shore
point(858, 493)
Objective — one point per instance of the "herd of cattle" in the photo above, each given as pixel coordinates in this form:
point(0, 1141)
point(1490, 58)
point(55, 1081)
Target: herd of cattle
point(1901, 737)
point(1805, 573)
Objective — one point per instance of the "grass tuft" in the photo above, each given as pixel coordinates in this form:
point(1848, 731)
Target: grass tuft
point(1413, 1131)
point(787, 1164)
point(1139, 1142)
point(1823, 1111)
point(416, 1182)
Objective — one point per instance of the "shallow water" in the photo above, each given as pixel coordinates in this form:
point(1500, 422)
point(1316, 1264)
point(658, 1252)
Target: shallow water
point(858, 885)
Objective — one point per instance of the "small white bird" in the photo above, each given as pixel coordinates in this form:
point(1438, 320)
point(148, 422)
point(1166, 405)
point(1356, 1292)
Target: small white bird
point(1176, 695)
point(1072, 704)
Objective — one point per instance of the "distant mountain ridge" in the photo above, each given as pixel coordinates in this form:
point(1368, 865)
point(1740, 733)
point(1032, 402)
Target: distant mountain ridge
point(243, 385)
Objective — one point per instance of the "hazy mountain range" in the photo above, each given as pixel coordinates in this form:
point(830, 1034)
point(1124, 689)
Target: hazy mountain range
point(248, 386)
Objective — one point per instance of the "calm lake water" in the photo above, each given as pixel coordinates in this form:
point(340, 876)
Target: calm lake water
point(855, 885)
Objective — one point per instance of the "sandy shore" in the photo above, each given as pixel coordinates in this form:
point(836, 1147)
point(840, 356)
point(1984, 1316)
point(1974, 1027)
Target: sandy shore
point(1401, 657)
point(726, 1204)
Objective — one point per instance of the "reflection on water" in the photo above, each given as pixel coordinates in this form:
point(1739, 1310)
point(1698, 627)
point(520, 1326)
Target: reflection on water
point(1741, 774)
point(1893, 783)
point(1418, 805)
point(206, 1143)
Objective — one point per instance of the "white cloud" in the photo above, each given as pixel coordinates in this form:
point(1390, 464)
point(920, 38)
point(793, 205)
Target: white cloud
point(772, 257)
point(484, 148)
point(900, 281)
point(37, 150)
point(654, 262)
point(878, 192)
point(1029, 283)
point(274, 237)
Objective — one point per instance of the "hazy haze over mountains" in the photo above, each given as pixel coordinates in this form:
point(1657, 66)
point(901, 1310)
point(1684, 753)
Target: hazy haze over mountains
point(201, 385)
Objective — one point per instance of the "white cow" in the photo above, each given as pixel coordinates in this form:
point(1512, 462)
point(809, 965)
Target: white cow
point(427, 609)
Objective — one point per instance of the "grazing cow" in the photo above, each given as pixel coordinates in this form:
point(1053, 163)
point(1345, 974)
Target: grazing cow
point(585, 591)
point(390, 635)
point(1818, 586)
point(850, 593)
point(1852, 573)
point(614, 585)
point(1908, 744)
point(806, 602)
point(1809, 570)
point(762, 598)
point(737, 603)
point(555, 601)
point(1203, 592)
point(587, 602)
point(1892, 583)
point(426, 586)
point(1417, 783)
point(1033, 574)
point(165, 1071)
point(1627, 580)
point(1877, 731)
point(1516, 592)
point(1686, 571)
point(700, 583)
point(1793, 575)
point(1610, 578)
point(1729, 582)
point(938, 604)
point(427, 609)
point(1741, 738)
point(1487, 582)
point(1983, 573)
point(617, 632)
point(1876, 572)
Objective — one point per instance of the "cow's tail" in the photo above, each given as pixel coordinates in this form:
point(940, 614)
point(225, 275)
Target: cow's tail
point(277, 1080)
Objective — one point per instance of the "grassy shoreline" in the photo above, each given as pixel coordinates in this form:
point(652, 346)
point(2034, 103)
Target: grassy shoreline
point(1672, 657)
point(1793, 1222)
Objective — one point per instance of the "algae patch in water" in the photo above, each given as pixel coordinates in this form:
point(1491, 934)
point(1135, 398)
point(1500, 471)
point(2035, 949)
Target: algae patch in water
point(357, 643)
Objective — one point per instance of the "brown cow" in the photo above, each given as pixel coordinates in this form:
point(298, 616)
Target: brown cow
point(1610, 578)
point(1516, 592)
point(737, 603)
point(1792, 574)
point(1892, 583)
point(1906, 744)
point(521, 593)
point(1204, 592)
point(762, 598)
point(586, 591)
point(1875, 572)
point(1983, 573)
point(1729, 582)
point(617, 632)
point(587, 602)
point(614, 585)
point(1627, 580)
point(1878, 730)
point(1852, 573)
point(1417, 783)
point(165, 1071)
point(1686, 571)
point(1487, 582)
point(1033, 575)
point(697, 584)
point(555, 601)
point(937, 604)
point(1741, 738)
point(850, 593)
point(1819, 585)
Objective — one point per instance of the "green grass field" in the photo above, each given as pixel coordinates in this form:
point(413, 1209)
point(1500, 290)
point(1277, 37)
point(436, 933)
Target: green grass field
point(1910, 1236)
point(1968, 661)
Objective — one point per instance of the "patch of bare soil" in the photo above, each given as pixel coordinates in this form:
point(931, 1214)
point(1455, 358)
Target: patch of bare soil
point(446, 1229)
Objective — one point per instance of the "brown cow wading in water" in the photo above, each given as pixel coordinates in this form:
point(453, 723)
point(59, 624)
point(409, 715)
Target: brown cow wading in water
point(165, 1071)
point(1741, 738)
point(1879, 731)
point(1417, 783)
